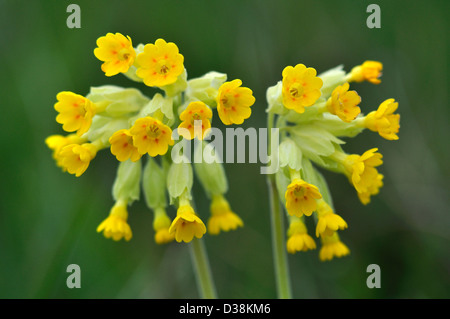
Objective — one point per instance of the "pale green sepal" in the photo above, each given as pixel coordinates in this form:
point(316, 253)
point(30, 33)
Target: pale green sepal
point(179, 86)
point(282, 182)
point(311, 113)
point(179, 180)
point(154, 184)
point(158, 102)
point(205, 88)
point(331, 79)
point(337, 127)
point(127, 183)
point(290, 155)
point(275, 99)
point(103, 127)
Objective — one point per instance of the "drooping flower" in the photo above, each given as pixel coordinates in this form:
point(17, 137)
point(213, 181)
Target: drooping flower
point(75, 158)
point(361, 169)
point(122, 146)
point(115, 226)
point(301, 87)
point(234, 102)
point(187, 225)
point(368, 71)
point(75, 112)
point(161, 225)
point(332, 247)
point(189, 128)
point(372, 189)
point(301, 198)
point(222, 218)
point(344, 103)
point(151, 136)
point(57, 142)
point(329, 222)
point(298, 238)
point(117, 53)
point(384, 121)
point(160, 64)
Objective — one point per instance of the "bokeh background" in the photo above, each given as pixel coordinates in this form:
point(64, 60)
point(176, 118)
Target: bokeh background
point(48, 219)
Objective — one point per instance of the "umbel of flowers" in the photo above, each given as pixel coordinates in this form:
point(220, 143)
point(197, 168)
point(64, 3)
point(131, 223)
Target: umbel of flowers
point(137, 129)
point(314, 112)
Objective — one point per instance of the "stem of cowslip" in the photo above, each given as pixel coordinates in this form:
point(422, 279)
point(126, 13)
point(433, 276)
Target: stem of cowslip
point(207, 289)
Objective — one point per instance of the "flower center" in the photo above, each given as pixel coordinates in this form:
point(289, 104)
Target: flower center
point(296, 90)
point(164, 69)
point(153, 130)
point(299, 191)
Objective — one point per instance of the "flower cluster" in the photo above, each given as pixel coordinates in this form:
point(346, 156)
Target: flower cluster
point(313, 113)
point(136, 128)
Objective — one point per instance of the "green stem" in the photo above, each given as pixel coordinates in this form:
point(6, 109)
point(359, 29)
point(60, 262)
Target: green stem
point(277, 228)
point(202, 270)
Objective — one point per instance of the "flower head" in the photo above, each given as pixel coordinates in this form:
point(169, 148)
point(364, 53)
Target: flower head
point(372, 189)
point(361, 169)
point(369, 71)
point(189, 127)
point(117, 53)
point(57, 142)
point(160, 64)
point(75, 158)
point(115, 226)
point(75, 112)
point(332, 247)
point(344, 103)
point(151, 136)
point(301, 87)
point(161, 225)
point(187, 225)
point(329, 222)
point(122, 146)
point(384, 121)
point(298, 238)
point(222, 218)
point(301, 198)
point(233, 102)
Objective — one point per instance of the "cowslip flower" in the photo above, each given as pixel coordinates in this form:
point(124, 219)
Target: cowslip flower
point(117, 53)
point(332, 247)
point(57, 142)
point(384, 121)
point(122, 146)
point(234, 102)
point(75, 112)
point(301, 87)
point(115, 226)
point(195, 111)
point(301, 198)
point(75, 158)
point(160, 64)
point(344, 103)
point(151, 136)
point(368, 71)
point(298, 238)
point(372, 189)
point(222, 218)
point(187, 225)
point(361, 169)
point(329, 222)
point(161, 225)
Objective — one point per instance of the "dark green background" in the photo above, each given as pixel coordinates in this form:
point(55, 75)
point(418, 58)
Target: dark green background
point(48, 219)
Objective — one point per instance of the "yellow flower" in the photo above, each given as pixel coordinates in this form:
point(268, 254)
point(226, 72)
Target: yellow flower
point(301, 198)
point(122, 146)
point(344, 103)
point(298, 238)
point(161, 225)
point(222, 218)
point(301, 87)
point(332, 247)
point(369, 71)
point(57, 142)
point(384, 121)
point(75, 158)
point(160, 64)
point(329, 222)
point(75, 112)
point(187, 225)
point(151, 136)
point(117, 53)
point(361, 169)
point(233, 102)
point(373, 189)
point(195, 111)
point(115, 226)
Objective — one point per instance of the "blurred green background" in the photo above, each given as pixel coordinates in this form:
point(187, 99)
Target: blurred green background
point(48, 219)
